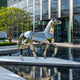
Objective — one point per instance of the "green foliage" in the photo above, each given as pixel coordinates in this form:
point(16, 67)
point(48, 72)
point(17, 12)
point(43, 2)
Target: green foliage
point(7, 43)
point(13, 19)
point(27, 79)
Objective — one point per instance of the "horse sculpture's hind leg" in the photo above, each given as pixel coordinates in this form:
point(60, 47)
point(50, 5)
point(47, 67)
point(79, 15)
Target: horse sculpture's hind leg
point(45, 50)
point(32, 49)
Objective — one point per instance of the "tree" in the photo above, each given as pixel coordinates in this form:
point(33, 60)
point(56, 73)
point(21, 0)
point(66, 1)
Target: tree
point(14, 18)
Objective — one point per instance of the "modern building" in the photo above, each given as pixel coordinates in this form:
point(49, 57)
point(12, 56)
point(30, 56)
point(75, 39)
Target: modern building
point(43, 10)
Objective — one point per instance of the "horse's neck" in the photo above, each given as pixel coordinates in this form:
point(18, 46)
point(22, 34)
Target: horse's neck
point(51, 30)
point(48, 26)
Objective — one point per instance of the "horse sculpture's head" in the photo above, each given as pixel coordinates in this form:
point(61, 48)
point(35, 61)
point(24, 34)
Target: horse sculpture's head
point(51, 23)
point(56, 21)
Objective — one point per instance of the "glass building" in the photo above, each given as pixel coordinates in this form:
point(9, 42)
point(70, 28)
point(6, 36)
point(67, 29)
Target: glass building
point(68, 11)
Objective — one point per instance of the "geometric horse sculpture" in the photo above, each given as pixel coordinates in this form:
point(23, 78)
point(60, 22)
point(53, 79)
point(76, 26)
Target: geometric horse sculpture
point(39, 38)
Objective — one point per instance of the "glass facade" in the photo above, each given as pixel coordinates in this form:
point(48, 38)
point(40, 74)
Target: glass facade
point(37, 15)
point(61, 31)
point(64, 8)
point(44, 11)
point(76, 22)
point(76, 28)
point(30, 2)
point(76, 6)
point(25, 3)
point(54, 8)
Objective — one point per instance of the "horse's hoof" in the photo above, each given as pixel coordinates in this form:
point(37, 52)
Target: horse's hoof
point(52, 56)
point(36, 57)
point(44, 57)
point(22, 59)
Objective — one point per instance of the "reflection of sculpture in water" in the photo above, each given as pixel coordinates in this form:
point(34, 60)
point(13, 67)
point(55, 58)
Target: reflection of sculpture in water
point(44, 37)
point(48, 76)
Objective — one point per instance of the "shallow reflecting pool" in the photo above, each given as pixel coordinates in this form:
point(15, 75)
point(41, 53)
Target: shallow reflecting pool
point(48, 73)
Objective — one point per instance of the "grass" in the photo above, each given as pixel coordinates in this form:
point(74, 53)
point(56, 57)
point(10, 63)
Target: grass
point(7, 43)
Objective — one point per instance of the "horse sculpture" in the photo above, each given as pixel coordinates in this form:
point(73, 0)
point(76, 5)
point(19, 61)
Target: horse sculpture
point(39, 38)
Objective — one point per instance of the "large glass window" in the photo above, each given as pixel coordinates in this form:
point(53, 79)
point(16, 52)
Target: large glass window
point(30, 2)
point(15, 1)
point(45, 9)
point(76, 5)
point(65, 7)
point(19, 0)
point(37, 1)
point(37, 11)
point(61, 31)
point(20, 5)
point(54, 8)
point(31, 11)
point(15, 5)
point(38, 26)
point(24, 3)
point(76, 28)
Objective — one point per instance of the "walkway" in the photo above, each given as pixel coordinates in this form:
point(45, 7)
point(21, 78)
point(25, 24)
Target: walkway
point(67, 45)
point(40, 61)
point(8, 75)
point(9, 49)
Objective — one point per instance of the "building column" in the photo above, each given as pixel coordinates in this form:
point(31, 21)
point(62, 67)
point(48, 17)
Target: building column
point(59, 8)
point(70, 18)
point(40, 9)
point(33, 15)
point(49, 9)
point(27, 6)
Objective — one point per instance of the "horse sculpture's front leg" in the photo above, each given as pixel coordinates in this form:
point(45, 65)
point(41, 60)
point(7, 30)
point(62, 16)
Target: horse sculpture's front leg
point(55, 50)
point(32, 49)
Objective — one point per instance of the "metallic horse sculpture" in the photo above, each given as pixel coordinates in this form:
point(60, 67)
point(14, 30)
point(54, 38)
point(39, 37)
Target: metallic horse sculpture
point(39, 38)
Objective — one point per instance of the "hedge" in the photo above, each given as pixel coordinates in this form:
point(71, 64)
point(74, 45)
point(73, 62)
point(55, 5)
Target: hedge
point(7, 43)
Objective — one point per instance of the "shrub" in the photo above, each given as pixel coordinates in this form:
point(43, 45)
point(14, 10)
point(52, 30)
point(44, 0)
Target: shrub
point(7, 43)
